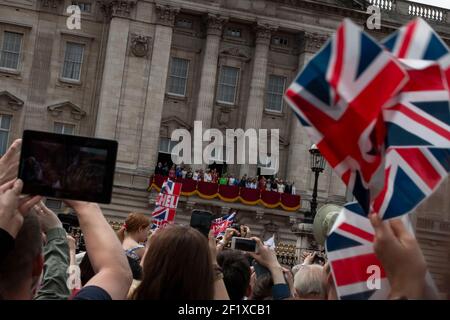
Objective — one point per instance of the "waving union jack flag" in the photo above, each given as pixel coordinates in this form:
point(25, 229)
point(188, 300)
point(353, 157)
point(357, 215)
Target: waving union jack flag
point(357, 272)
point(417, 121)
point(166, 204)
point(220, 225)
point(340, 93)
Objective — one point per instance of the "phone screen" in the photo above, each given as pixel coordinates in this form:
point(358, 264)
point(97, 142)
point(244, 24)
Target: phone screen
point(243, 244)
point(201, 220)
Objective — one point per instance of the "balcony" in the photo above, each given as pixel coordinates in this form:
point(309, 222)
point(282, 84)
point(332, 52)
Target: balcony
point(225, 193)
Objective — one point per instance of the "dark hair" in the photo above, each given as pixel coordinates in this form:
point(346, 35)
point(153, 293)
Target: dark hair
point(262, 289)
point(177, 266)
point(19, 262)
point(236, 273)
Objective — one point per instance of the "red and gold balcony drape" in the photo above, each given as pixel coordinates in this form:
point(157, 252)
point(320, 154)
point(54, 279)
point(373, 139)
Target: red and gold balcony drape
point(208, 190)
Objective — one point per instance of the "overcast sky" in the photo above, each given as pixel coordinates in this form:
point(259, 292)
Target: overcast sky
point(437, 3)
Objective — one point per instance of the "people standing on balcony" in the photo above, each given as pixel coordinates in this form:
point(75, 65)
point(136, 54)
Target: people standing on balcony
point(274, 185)
point(293, 191)
point(172, 173)
point(165, 169)
point(159, 168)
point(230, 180)
point(178, 171)
point(195, 176)
point(287, 187)
point(223, 180)
point(262, 183)
point(207, 176)
point(215, 176)
point(189, 174)
point(280, 186)
point(183, 173)
point(269, 185)
point(243, 181)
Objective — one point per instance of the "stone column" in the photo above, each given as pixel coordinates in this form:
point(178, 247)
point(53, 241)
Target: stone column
point(148, 151)
point(206, 93)
point(255, 105)
point(108, 107)
point(205, 100)
point(298, 168)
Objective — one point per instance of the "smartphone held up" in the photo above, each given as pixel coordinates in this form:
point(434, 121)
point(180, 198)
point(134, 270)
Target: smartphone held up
point(244, 244)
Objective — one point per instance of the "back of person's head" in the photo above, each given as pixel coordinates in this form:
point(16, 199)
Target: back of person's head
point(135, 222)
point(177, 266)
point(236, 273)
point(308, 282)
point(262, 289)
point(21, 269)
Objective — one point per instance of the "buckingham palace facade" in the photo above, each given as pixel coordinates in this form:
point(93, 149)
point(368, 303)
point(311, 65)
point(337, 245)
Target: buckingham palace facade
point(136, 70)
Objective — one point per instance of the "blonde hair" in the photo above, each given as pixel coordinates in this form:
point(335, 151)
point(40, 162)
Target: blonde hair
point(133, 223)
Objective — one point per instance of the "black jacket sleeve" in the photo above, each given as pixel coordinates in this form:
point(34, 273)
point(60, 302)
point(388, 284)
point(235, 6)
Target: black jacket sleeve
point(6, 244)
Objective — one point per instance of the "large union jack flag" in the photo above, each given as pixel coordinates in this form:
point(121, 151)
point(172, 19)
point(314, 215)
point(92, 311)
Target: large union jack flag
point(340, 94)
point(166, 204)
point(398, 153)
point(417, 121)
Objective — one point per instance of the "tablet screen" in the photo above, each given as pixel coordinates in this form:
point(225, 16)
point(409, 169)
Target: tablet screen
point(66, 166)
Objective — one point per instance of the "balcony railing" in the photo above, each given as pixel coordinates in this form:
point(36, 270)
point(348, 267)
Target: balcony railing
point(404, 7)
point(208, 190)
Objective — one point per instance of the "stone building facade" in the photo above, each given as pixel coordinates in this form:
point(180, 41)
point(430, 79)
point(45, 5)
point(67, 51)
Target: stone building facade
point(138, 69)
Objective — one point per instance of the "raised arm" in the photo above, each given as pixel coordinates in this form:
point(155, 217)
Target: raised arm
point(113, 273)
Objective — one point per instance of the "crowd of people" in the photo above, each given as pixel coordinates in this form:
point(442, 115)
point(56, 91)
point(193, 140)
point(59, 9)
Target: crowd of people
point(212, 175)
point(38, 259)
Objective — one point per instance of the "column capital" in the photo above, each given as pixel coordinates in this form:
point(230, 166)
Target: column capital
point(311, 41)
point(215, 23)
point(165, 14)
point(264, 32)
point(117, 8)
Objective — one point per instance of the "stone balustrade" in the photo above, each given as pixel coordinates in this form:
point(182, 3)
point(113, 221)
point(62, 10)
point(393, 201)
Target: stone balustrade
point(409, 8)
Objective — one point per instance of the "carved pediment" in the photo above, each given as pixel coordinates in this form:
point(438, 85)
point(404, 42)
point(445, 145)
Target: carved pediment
point(171, 123)
point(13, 102)
point(75, 111)
point(236, 52)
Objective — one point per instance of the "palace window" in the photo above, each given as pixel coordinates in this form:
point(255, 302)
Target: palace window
point(10, 53)
point(228, 80)
point(178, 76)
point(233, 32)
point(183, 23)
point(64, 128)
point(274, 95)
point(84, 6)
point(5, 126)
point(280, 41)
point(73, 59)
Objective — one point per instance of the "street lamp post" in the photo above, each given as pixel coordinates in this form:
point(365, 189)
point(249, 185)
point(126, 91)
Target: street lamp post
point(317, 166)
